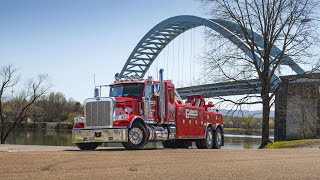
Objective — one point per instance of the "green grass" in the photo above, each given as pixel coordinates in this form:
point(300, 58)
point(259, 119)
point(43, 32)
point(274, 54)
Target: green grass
point(292, 144)
point(231, 129)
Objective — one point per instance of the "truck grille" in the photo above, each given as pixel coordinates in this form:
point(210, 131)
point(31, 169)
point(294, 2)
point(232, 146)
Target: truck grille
point(99, 113)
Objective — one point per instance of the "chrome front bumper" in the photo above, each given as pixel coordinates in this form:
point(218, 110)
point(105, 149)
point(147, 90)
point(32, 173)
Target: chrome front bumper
point(99, 135)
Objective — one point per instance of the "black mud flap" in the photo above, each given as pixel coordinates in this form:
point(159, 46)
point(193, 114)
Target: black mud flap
point(222, 138)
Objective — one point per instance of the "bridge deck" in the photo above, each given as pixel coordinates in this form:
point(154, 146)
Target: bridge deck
point(223, 89)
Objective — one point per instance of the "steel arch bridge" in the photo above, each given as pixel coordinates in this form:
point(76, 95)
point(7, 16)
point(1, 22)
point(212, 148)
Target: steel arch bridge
point(150, 46)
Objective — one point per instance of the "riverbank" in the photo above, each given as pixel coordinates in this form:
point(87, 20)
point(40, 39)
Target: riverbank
point(46, 125)
point(240, 131)
point(303, 143)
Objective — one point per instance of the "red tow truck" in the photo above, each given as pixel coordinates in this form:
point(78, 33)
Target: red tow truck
point(139, 111)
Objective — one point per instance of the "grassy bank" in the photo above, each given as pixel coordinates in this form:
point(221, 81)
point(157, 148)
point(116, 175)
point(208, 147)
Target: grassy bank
point(294, 144)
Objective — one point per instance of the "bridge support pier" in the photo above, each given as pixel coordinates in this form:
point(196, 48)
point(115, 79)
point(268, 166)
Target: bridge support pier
point(297, 108)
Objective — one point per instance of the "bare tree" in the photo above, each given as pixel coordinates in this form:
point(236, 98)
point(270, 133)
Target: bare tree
point(279, 24)
point(14, 107)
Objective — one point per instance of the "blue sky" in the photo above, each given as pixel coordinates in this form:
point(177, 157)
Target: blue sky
point(72, 40)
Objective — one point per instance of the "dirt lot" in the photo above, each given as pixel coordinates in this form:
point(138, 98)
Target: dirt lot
point(161, 163)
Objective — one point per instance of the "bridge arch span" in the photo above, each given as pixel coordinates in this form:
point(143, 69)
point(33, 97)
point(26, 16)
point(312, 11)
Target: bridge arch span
point(150, 46)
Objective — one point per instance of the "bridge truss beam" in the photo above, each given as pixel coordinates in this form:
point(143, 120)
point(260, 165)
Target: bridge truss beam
point(163, 33)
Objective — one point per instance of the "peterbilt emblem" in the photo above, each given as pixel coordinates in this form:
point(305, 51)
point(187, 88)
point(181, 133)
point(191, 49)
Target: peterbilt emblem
point(190, 113)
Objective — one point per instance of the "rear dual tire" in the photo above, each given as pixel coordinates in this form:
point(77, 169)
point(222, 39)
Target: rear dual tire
point(218, 140)
point(213, 139)
point(206, 143)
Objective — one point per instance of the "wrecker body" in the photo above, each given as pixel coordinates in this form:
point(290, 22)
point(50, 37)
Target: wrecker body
point(139, 111)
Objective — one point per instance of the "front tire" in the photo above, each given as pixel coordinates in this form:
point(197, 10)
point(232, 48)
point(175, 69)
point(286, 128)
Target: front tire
point(137, 137)
point(87, 146)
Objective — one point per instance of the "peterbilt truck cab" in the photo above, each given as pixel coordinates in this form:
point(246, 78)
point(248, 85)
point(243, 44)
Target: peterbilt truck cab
point(139, 111)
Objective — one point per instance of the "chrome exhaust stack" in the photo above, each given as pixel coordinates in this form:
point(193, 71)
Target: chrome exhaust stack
point(161, 99)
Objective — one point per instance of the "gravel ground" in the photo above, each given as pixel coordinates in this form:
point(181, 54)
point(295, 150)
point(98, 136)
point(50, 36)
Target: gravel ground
point(43, 162)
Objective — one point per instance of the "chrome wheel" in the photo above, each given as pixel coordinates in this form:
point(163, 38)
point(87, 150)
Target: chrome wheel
point(209, 138)
point(219, 138)
point(135, 136)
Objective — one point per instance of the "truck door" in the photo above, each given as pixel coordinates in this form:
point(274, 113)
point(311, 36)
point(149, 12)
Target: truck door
point(149, 104)
point(170, 112)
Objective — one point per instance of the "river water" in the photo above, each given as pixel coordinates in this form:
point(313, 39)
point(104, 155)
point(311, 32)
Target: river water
point(63, 138)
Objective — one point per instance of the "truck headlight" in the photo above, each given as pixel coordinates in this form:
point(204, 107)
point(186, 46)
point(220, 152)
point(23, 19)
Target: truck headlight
point(79, 122)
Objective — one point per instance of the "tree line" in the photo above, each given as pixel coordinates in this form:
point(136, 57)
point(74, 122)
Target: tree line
point(247, 122)
point(54, 107)
point(31, 102)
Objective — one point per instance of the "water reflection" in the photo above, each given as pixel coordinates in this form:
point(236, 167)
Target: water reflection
point(50, 137)
point(241, 142)
point(54, 137)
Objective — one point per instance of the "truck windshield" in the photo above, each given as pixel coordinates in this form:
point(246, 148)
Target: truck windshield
point(126, 90)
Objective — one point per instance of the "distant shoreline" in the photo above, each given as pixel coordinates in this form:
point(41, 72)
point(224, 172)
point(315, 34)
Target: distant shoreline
point(241, 131)
point(46, 125)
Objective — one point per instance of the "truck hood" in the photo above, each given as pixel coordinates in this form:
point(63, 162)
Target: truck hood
point(125, 105)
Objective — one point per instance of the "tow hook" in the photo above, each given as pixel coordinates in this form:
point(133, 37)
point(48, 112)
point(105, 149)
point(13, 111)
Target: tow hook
point(97, 134)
